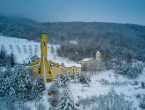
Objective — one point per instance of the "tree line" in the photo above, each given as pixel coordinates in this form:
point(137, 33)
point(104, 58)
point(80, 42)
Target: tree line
point(123, 42)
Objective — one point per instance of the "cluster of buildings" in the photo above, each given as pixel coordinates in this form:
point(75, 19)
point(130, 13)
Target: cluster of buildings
point(49, 69)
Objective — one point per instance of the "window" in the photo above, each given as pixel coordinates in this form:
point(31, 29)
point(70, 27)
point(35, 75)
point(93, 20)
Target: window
point(49, 72)
point(76, 69)
point(73, 70)
point(44, 43)
point(68, 69)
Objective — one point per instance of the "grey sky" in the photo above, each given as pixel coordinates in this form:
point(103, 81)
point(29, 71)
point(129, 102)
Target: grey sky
point(118, 11)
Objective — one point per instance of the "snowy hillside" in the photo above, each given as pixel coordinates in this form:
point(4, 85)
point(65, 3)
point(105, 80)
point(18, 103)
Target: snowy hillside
point(24, 49)
point(82, 91)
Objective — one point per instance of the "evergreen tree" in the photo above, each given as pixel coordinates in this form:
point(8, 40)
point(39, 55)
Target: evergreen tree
point(52, 49)
point(5, 86)
point(65, 101)
point(84, 78)
point(6, 89)
point(22, 82)
point(2, 57)
point(64, 78)
point(8, 71)
point(58, 80)
point(12, 94)
point(40, 84)
point(5, 58)
point(6, 82)
point(77, 77)
point(35, 93)
point(73, 75)
point(37, 88)
point(12, 59)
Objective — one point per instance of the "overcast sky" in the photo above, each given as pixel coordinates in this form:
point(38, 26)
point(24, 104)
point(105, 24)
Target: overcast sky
point(117, 11)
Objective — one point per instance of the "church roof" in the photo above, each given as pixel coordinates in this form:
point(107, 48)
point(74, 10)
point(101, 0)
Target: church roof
point(87, 59)
point(72, 64)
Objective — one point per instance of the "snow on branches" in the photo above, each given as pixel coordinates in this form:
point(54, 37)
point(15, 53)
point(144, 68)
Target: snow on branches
point(110, 101)
point(65, 101)
point(131, 71)
point(62, 79)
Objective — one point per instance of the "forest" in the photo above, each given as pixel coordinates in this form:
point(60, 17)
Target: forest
point(115, 41)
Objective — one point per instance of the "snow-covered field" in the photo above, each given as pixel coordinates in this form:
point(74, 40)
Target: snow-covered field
point(95, 88)
point(78, 90)
point(24, 49)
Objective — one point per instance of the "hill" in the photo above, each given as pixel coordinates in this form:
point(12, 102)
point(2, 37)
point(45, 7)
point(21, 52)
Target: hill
point(123, 42)
point(78, 40)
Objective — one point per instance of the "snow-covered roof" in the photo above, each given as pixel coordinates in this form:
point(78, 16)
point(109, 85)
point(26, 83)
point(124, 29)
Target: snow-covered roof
point(87, 59)
point(33, 66)
point(98, 52)
point(72, 64)
point(73, 42)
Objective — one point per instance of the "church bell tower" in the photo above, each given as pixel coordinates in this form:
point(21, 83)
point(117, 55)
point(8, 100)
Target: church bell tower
point(98, 59)
point(98, 56)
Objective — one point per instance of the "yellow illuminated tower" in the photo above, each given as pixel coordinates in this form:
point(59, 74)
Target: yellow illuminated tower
point(43, 66)
point(43, 44)
point(44, 63)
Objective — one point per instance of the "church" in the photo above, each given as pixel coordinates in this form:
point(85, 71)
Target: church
point(49, 69)
point(43, 66)
point(90, 61)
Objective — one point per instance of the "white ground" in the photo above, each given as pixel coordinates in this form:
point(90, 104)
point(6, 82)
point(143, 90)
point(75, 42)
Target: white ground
point(95, 88)
point(20, 57)
point(77, 89)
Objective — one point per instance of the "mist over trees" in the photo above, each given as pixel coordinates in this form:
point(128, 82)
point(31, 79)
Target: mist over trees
point(123, 42)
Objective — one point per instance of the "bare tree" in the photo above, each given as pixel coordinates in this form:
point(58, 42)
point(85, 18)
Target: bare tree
point(85, 67)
